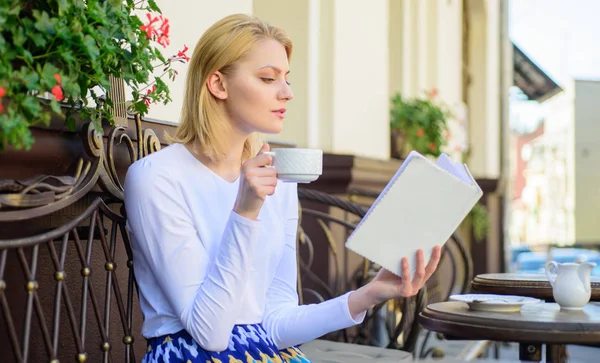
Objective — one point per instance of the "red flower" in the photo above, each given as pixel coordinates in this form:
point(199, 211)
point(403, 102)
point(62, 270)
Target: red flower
point(163, 40)
point(149, 28)
point(146, 98)
point(181, 53)
point(57, 78)
point(432, 146)
point(2, 92)
point(164, 27)
point(433, 93)
point(420, 132)
point(58, 93)
point(160, 34)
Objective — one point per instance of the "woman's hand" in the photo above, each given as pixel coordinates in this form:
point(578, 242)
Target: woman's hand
point(387, 285)
point(256, 182)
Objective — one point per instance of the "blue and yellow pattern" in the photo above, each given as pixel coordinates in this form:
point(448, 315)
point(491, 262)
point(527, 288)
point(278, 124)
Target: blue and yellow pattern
point(247, 344)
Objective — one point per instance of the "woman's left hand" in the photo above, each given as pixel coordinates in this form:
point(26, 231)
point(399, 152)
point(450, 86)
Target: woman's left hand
point(387, 285)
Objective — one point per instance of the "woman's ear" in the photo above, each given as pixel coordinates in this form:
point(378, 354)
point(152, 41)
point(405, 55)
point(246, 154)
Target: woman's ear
point(216, 85)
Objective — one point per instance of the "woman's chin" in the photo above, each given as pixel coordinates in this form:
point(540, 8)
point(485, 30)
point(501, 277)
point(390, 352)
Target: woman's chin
point(271, 129)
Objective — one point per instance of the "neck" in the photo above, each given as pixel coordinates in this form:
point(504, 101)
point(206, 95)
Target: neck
point(228, 166)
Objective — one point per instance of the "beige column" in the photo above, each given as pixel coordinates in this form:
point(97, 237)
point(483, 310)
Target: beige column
point(484, 93)
point(493, 97)
point(409, 48)
point(396, 46)
point(427, 46)
point(449, 51)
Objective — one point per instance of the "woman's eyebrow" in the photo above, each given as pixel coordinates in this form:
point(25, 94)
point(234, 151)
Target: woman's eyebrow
point(276, 69)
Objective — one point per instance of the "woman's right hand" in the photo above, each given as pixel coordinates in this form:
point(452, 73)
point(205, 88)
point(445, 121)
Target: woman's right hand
point(256, 182)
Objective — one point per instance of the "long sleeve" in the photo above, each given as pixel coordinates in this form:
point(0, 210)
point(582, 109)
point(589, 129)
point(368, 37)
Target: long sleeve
point(287, 322)
point(203, 293)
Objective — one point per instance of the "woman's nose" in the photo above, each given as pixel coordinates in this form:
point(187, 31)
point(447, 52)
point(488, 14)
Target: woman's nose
point(286, 92)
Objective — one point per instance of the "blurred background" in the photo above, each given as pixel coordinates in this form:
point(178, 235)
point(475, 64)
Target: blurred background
point(516, 81)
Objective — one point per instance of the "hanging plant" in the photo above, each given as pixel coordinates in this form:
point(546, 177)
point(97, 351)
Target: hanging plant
point(420, 124)
point(69, 49)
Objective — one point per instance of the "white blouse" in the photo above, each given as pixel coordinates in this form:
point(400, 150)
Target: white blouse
point(203, 268)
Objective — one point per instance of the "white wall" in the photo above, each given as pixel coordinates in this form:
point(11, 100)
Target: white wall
point(360, 78)
point(188, 21)
point(293, 18)
point(587, 161)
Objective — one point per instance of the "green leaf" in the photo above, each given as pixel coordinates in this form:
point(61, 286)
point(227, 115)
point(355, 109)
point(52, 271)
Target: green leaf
point(91, 47)
point(31, 106)
point(38, 39)
point(30, 79)
point(19, 37)
point(48, 72)
point(152, 5)
point(71, 123)
point(63, 7)
point(28, 57)
point(43, 23)
point(55, 106)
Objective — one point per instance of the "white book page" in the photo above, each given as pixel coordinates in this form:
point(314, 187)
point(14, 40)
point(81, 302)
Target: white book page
point(453, 168)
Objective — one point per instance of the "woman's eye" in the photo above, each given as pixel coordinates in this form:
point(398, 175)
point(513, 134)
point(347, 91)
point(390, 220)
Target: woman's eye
point(268, 80)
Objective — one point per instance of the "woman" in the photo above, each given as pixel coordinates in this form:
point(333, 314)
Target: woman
point(214, 234)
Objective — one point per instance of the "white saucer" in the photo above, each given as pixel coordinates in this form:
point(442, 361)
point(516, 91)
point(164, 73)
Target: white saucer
point(496, 303)
point(298, 178)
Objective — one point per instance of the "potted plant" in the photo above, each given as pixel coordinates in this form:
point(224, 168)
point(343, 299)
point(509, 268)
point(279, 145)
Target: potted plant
point(72, 51)
point(418, 124)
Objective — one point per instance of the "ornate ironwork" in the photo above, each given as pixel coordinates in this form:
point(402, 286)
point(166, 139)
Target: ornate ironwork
point(45, 194)
point(398, 317)
point(61, 290)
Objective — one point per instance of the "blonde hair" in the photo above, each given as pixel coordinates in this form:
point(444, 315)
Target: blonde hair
point(220, 48)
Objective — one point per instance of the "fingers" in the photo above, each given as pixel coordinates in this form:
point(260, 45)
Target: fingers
point(433, 261)
point(406, 287)
point(419, 278)
point(258, 161)
point(265, 147)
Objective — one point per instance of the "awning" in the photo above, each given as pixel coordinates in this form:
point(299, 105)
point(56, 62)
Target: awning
point(536, 84)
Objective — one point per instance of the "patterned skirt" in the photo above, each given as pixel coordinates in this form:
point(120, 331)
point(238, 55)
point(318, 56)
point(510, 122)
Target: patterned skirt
point(248, 344)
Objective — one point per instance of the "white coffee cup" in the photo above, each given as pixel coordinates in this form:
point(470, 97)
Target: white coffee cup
point(297, 165)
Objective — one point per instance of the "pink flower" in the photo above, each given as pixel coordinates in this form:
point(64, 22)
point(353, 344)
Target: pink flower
point(432, 146)
point(420, 132)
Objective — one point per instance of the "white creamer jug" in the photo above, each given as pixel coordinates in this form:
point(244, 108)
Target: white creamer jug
point(571, 285)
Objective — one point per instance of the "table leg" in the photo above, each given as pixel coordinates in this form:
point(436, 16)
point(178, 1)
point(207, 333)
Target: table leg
point(556, 353)
point(531, 352)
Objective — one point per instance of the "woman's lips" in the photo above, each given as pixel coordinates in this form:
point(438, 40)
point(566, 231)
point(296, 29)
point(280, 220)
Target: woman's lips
point(279, 113)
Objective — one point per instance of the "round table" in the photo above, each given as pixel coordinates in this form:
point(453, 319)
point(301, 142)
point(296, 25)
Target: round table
point(532, 285)
point(533, 325)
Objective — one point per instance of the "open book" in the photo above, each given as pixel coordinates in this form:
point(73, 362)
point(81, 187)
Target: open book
point(420, 208)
